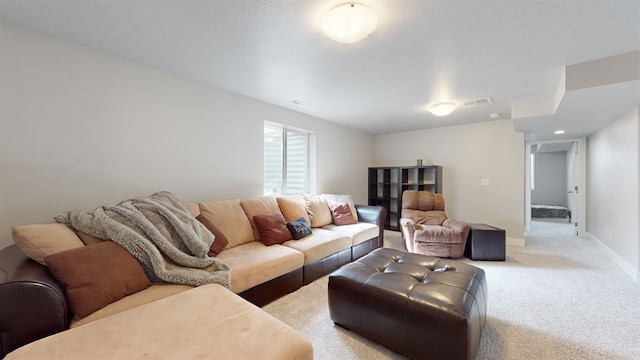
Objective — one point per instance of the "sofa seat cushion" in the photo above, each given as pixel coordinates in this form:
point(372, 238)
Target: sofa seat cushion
point(152, 293)
point(255, 263)
point(320, 244)
point(437, 234)
point(205, 322)
point(358, 232)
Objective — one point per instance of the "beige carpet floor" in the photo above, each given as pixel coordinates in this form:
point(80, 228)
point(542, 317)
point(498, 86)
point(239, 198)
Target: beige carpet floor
point(559, 297)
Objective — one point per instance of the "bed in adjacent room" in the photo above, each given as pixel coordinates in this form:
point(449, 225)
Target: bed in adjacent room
point(550, 211)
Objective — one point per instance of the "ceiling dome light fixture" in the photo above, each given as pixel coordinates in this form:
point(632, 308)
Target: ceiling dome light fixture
point(349, 23)
point(443, 108)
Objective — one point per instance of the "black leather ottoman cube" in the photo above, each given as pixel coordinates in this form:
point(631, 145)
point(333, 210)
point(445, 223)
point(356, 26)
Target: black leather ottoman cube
point(420, 306)
point(486, 242)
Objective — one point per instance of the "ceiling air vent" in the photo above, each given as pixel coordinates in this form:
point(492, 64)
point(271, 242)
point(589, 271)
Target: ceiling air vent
point(478, 102)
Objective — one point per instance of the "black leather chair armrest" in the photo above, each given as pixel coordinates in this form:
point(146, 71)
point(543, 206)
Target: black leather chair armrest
point(371, 214)
point(374, 215)
point(32, 303)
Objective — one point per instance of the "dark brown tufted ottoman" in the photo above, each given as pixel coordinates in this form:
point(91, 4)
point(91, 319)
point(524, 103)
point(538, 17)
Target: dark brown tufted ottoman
point(407, 303)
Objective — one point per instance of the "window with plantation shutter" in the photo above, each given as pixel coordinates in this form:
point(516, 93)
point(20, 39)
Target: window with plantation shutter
point(286, 160)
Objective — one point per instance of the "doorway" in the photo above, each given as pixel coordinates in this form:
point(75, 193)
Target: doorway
point(555, 177)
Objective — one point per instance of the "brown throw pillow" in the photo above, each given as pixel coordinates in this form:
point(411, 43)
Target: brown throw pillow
point(273, 228)
point(220, 240)
point(97, 275)
point(341, 214)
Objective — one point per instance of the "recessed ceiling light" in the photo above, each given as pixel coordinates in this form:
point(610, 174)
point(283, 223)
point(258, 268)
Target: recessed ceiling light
point(495, 115)
point(558, 132)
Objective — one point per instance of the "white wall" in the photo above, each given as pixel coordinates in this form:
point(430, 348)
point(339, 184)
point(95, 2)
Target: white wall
point(612, 190)
point(551, 179)
point(80, 128)
point(469, 153)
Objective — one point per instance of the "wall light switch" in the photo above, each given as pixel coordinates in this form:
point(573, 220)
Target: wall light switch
point(484, 182)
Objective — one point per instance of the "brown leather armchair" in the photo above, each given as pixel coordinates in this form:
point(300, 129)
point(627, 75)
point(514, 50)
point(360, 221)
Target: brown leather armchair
point(427, 230)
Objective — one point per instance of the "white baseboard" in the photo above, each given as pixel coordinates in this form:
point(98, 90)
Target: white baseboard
point(514, 241)
point(623, 264)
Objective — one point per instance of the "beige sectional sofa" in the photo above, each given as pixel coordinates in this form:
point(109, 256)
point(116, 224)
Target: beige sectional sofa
point(259, 272)
point(258, 269)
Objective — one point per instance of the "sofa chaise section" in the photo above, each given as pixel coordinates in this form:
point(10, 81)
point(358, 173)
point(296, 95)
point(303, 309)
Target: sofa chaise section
point(183, 326)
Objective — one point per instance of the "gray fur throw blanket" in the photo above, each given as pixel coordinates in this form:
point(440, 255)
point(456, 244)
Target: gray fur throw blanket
point(160, 232)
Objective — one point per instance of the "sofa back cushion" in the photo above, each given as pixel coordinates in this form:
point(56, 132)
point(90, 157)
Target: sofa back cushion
point(422, 200)
point(292, 207)
point(40, 240)
point(193, 209)
point(258, 206)
point(318, 210)
point(337, 199)
point(219, 240)
point(229, 217)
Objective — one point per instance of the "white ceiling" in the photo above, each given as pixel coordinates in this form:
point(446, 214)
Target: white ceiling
point(422, 52)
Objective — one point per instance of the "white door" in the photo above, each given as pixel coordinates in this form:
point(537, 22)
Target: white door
point(573, 188)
